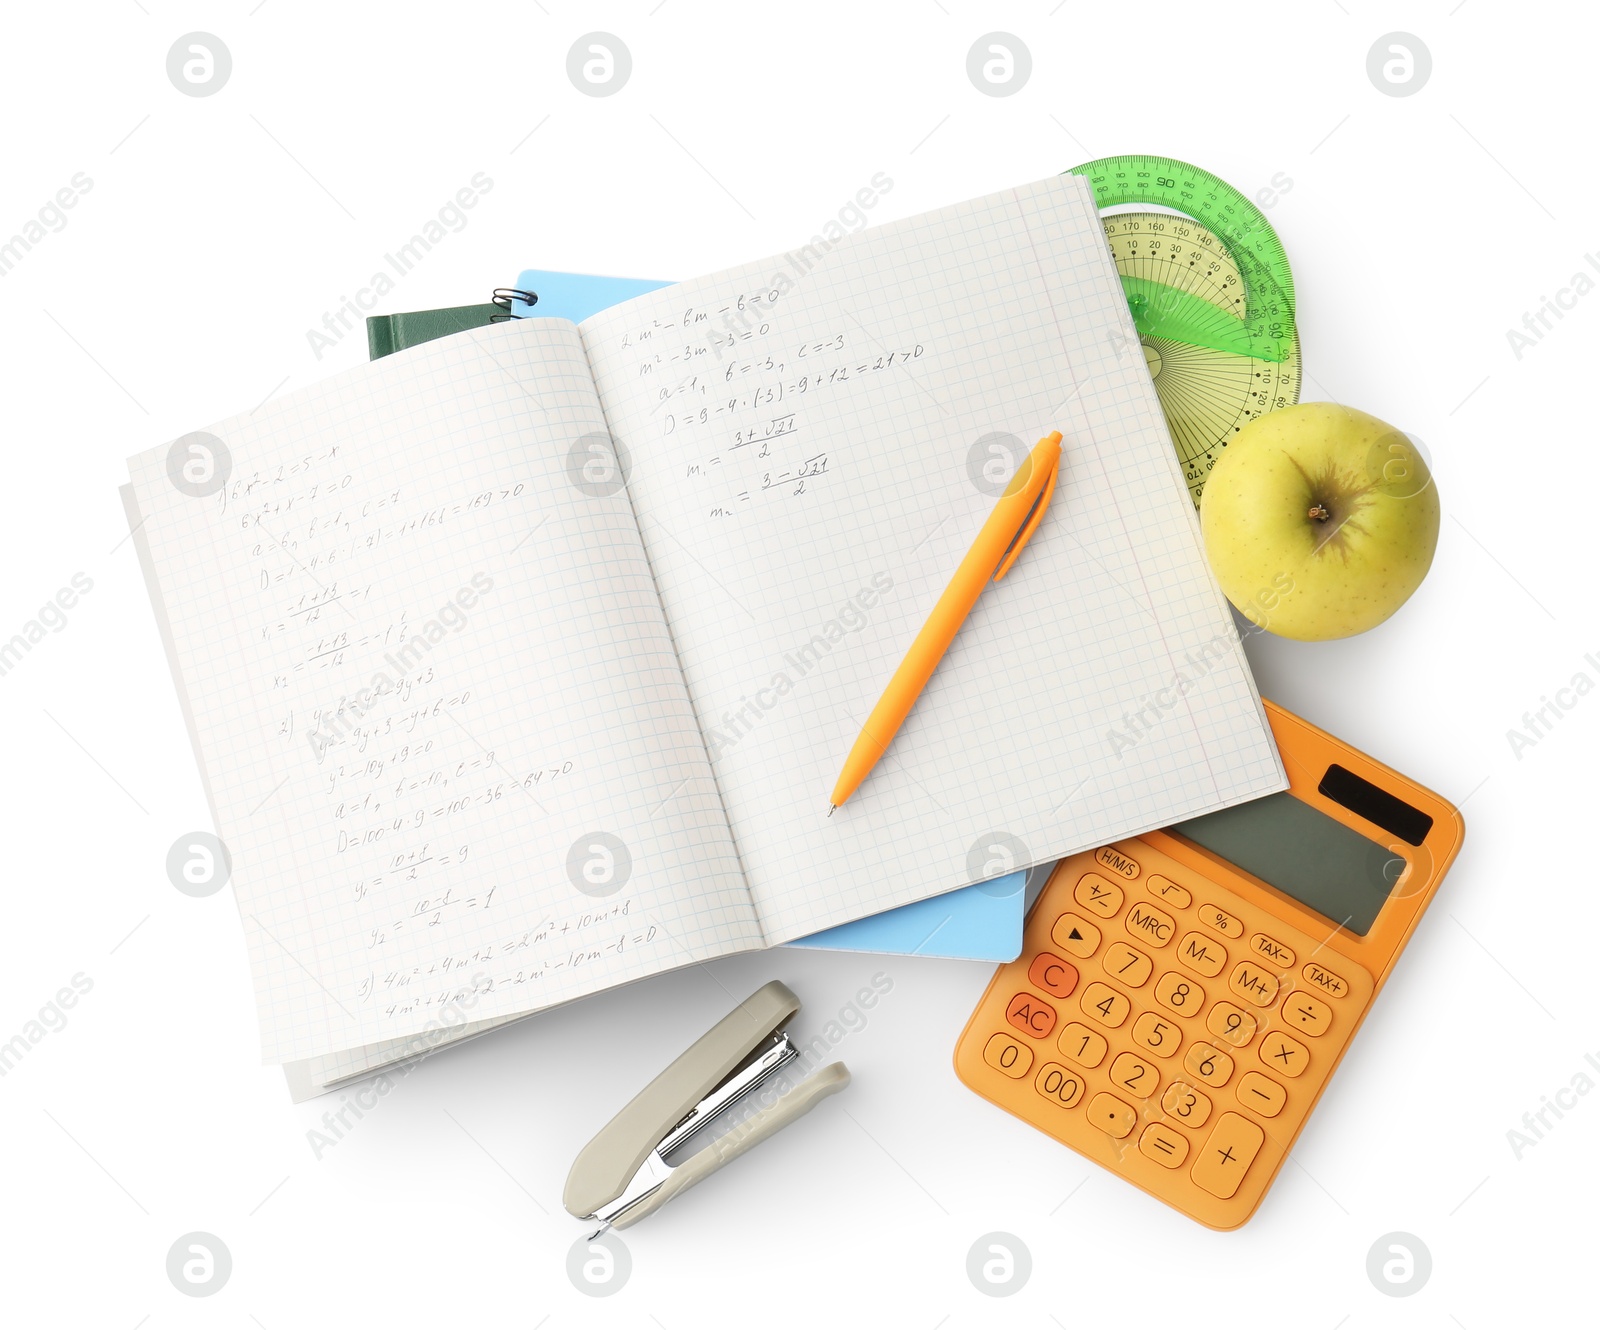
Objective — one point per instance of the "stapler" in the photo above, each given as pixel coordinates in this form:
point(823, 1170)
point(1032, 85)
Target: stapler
point(629, 1171)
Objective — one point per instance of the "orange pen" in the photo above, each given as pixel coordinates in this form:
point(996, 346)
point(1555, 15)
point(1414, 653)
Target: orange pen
point(1016, 516)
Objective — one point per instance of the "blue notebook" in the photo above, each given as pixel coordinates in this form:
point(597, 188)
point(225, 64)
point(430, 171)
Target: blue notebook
point(982, 922)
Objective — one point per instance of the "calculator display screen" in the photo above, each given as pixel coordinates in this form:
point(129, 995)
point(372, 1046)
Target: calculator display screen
point(1305, 854)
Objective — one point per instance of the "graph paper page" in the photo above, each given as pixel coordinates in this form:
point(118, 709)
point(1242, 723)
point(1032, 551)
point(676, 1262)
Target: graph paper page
point(438, 709)
point(816, 439)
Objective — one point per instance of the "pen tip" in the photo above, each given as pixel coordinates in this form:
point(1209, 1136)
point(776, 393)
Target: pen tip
point(831, 807)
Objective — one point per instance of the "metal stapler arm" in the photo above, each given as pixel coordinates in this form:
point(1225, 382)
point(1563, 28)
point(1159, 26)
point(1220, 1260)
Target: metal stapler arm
point(604, 1167)
point(750, 1133)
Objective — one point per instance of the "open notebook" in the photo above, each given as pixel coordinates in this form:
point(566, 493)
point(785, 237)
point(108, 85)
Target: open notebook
point(485, 730)
point(980, 922)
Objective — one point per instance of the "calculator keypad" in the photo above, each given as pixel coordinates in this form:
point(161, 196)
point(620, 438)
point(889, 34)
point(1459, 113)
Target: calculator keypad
point(1166, 1026)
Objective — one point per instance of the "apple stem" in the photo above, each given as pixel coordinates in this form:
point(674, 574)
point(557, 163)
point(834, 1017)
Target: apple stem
point(1318, 512)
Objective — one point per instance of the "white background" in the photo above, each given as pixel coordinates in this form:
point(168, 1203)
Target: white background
point(220, 229)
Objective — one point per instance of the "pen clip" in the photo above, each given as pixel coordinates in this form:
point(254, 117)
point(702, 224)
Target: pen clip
point(1035, 516)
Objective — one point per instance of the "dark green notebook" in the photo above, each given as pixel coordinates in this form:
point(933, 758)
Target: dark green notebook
point(388, 333)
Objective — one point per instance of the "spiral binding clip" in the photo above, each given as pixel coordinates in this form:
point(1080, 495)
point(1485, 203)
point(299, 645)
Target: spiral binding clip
point(505, 295)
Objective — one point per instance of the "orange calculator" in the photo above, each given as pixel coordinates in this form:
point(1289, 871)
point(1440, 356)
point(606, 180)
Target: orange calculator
point(1183, 997)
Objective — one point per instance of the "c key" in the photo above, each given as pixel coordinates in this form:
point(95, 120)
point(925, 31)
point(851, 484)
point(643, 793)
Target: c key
point(1056, 976)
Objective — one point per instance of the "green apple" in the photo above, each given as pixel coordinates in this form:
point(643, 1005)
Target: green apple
point(1319, 521)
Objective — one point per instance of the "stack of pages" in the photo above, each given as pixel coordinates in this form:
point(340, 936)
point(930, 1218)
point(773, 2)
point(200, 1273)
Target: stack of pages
point(520, 664)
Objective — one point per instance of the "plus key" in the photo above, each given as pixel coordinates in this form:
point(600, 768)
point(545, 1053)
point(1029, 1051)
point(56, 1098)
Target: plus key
point(1227, 1155)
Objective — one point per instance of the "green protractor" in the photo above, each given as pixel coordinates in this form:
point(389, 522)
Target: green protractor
point(1211, 296)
